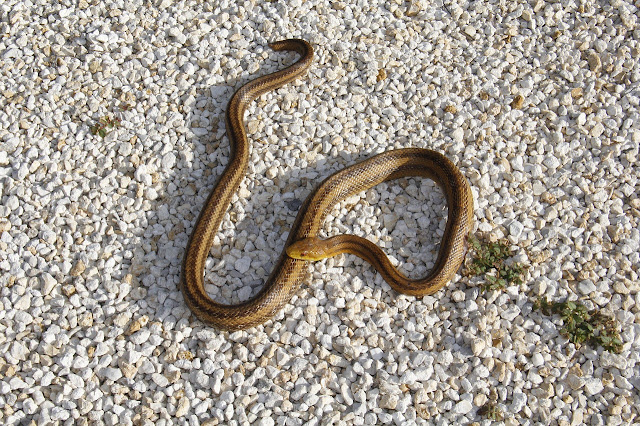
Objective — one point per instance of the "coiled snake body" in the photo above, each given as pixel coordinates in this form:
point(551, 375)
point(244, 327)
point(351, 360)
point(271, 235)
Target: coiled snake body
point(303, 243)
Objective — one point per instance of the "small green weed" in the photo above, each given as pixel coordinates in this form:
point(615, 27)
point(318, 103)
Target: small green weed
point(491, 411)
point(491, 257)
point(100, 128)
point(581, 325)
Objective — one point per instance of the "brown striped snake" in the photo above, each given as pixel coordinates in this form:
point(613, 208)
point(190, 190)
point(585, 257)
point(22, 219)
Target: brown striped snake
point(303, 243)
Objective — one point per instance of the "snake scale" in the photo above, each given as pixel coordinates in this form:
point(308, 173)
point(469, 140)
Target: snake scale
point(303, 244)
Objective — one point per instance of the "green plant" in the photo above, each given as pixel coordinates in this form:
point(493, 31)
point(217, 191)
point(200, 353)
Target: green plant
point(490, 260)
point(582, 325)
point(100, 128)
point(491, 411)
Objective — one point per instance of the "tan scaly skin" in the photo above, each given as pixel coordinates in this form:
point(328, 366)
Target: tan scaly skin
point(287, 274)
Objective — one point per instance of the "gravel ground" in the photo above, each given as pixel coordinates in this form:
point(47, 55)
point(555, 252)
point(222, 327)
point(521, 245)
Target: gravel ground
point(537, 102)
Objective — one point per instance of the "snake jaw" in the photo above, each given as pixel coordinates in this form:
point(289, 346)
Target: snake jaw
point(306, 249)
point(294, 253)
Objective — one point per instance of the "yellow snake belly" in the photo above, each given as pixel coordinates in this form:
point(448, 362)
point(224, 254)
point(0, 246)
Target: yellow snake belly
point(287, 273)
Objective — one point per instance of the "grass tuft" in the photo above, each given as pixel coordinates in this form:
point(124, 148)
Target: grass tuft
point(491, 411)
point(583, 326)
point(490, 260)
point(100, 128)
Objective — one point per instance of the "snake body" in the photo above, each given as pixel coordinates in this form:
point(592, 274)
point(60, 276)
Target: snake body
point(302, 242)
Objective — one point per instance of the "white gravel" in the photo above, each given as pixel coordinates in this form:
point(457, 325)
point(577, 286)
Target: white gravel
point(537, 102)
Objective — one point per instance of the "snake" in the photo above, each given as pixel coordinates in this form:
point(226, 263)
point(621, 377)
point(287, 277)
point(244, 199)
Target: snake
point(303, 244)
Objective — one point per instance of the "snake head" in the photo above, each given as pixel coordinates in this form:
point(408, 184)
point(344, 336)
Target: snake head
point(307, 249)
